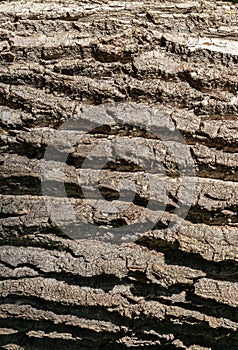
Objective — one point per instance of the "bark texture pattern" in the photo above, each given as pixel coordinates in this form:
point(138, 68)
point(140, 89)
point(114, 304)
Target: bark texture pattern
point(169, 289)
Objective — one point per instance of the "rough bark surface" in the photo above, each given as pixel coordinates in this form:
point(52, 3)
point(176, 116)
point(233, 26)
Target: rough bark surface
point(169, 289)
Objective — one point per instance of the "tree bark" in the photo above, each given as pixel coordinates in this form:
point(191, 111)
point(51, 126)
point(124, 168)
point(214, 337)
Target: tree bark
point(167, 288)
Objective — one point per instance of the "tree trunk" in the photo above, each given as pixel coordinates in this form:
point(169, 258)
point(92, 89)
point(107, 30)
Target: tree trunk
point(102, 282)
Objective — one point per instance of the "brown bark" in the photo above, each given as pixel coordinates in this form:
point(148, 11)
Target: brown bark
point(168, 289)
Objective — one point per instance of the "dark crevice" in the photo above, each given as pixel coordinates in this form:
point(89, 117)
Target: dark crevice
point(189, 329)
point(223, 270)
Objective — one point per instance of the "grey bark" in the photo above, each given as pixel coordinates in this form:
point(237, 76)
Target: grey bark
point(168, 289)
